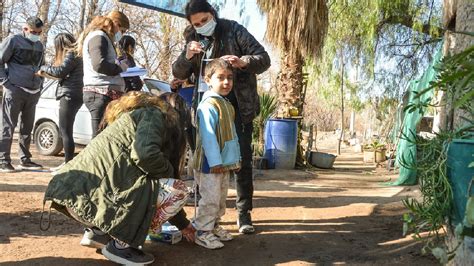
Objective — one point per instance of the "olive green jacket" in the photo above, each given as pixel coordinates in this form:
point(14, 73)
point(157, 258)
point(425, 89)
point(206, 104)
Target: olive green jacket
point(113, 183)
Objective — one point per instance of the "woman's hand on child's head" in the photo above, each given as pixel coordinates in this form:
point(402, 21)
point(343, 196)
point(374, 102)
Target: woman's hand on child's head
point(235, 61)
point(217, 169)
point(189, 232)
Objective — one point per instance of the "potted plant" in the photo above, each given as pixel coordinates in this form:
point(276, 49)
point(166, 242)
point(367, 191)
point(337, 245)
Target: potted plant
point(268, 105)
point(374, 152)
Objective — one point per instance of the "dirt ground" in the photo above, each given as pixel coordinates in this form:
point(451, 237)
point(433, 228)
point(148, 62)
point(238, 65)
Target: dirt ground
point(338, 216)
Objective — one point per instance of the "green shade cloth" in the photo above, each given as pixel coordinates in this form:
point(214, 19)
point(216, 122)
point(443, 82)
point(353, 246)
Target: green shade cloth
point(406, 149)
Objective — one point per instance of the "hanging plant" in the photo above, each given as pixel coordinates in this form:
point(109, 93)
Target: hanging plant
point(431, 213)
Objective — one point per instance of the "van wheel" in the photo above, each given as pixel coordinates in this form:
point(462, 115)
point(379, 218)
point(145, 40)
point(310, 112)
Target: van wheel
point(47, 139)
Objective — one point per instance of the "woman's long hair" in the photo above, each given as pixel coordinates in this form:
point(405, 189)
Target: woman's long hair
point(176, 115)
point(198, 6)
point(120, 19)
point(102, 23)
point(125, 44)
point(63, 43)
point(184, 127)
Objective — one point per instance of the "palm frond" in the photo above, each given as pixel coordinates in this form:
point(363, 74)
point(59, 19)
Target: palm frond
point(298, 27)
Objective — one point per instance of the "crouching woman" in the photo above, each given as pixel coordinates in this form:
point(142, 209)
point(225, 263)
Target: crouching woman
point(122, 184)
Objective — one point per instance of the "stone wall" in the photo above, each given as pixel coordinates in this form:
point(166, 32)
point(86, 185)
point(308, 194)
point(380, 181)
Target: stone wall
point(463, 16)
point(464, 254)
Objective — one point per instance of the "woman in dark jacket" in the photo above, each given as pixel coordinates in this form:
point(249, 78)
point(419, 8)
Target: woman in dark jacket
point(127, 48)
point(67, 67)
point(208, 36)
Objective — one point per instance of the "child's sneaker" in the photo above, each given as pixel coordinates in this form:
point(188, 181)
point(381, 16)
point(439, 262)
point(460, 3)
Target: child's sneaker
point(208, 240)
point(222, 234)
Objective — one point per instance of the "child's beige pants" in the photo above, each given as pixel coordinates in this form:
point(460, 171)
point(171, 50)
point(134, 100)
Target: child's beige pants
point(213, 190)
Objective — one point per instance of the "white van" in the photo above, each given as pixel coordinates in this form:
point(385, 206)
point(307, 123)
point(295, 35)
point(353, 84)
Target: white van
point(46, 131)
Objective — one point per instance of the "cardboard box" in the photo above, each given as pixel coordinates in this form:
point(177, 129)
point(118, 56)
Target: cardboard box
point(169, 234)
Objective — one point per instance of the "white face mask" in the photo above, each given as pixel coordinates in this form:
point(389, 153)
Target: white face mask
point(118, 36)
point(207, 29)
point(33, 37)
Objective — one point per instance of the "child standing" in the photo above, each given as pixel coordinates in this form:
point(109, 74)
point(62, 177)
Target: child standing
point(217, 154)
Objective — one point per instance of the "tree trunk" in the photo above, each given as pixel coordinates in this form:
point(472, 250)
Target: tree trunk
point(309, 148)
point(459, 16)
point(93, 4)
point(341, 136)
point(165, 64)
point(261, 140)
point(43, 15)
point(1, 19)
point(290, 84)
point(464, 23)
point(82, 14)
point(352, 124)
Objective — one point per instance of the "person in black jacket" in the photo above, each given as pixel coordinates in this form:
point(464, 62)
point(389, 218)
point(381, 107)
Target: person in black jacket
point(208, 37)
point(68, 68)
point(21, 56)
point(127, 47)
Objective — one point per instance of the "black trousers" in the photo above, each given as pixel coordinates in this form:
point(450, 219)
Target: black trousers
point(17, 103)
point(96, 103)
point(244, 181)
point(68, 108)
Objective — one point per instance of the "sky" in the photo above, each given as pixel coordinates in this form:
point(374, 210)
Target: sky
point(251, 17)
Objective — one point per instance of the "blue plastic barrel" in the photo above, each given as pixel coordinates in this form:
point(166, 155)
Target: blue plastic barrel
point(187, 94)
point(280, 143)
point(460, 155)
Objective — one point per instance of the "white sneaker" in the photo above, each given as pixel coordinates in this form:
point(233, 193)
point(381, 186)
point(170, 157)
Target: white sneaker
point(208, 240)
point(93, 240)
point(222, 234)
point(54, 170)
point(57, 167)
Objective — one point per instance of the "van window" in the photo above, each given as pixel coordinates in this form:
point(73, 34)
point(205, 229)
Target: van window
point(49, 89)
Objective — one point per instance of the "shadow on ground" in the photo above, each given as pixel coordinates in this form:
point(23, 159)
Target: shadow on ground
point(27, 225)
point(58, 261)
point(326, 241)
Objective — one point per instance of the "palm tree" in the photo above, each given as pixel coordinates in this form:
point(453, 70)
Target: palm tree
point(297, 29)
